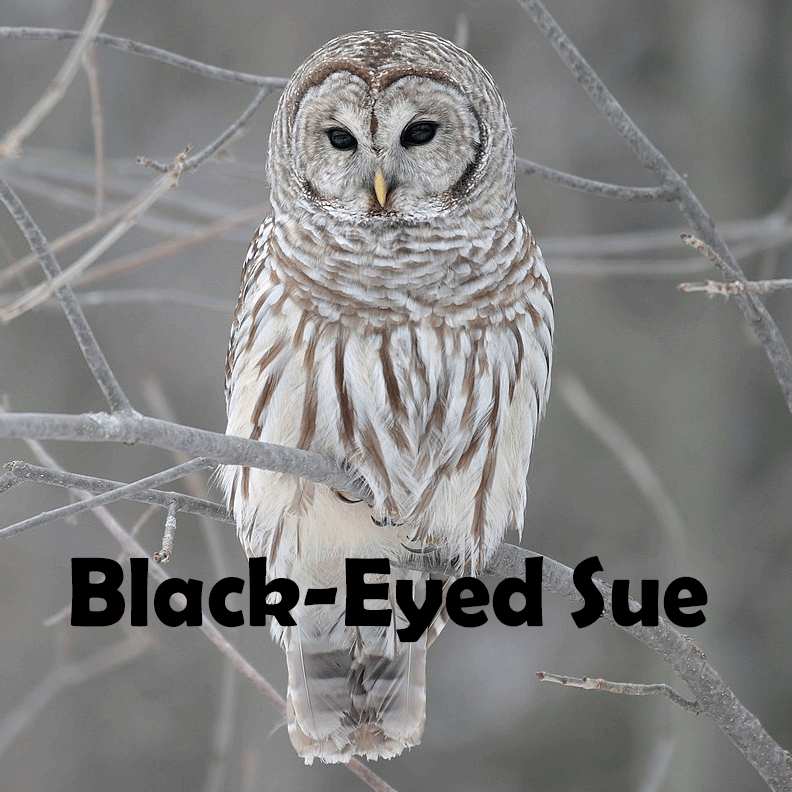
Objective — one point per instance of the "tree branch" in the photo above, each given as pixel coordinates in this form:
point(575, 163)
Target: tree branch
point(603, 189)
point(147, 199)
point(13, 139)
point(22, 472)
point(86, 340)
point(126, 490)
point(224, 449)
point(155, 53)
point(621, 688)
point(651, 158)
point(737, 287)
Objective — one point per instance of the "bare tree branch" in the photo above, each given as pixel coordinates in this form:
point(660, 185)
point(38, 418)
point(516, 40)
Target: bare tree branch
point(148, 198)
point(622, 688)
point(216, 145)
point(86, 340)
point(127, 45)
point(21, 472)
point(97, 124)
point(714, 698)
point(105, 498)
point(13, 139)
point(224, 449)
point(651, 158)
point(602, 189)
point(737, 287)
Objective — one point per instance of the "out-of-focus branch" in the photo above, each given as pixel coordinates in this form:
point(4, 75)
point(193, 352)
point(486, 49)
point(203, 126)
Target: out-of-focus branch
point(13, 139)
point(147, 199)
point(155, 53)
point(632, 459)
point(86, 340)
point(216, 145)
point(652, 158)
point(618, 192)
point(65, 676)
point(737, 287)
point(97, 124)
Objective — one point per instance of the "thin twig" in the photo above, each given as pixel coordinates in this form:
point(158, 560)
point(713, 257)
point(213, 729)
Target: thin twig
point(20, 472)
point(13, 139)
point(150, 196)
point(64, 241)
point(622, 688)
point(127, 45)
point(93, 299)
point(217, 145)
point(105, 498)
point(157, 252)
point(97, 125)
point(224, 726)
point(737, 287)
point(651, 158)
point(65, 612)
point(86, 340)
point(631, 457)
point(603, 189)
point(163, 555)
point(66, 676)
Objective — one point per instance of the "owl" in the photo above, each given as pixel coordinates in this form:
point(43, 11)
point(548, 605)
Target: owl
point(395, 316)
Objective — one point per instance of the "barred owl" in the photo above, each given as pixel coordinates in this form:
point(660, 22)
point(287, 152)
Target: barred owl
point(396, 316)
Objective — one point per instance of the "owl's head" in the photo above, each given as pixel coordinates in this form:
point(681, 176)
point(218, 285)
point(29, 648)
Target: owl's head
point(392, 127)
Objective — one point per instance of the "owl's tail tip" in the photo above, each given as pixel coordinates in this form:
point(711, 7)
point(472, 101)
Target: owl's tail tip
point(368, 742)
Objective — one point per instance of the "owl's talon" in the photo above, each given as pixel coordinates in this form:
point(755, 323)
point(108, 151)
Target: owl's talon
point(421, 550)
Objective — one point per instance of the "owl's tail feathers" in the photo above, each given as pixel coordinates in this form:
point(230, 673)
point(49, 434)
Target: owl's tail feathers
point(344, 702)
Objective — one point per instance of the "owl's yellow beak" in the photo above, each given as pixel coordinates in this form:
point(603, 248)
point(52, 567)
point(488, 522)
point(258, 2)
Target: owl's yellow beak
point(380, 188)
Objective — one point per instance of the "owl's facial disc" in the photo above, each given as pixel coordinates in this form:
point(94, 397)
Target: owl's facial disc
point(403, 151)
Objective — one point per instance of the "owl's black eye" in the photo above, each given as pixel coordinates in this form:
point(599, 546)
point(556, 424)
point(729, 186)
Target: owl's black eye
point(341, 139)
point(418, 134)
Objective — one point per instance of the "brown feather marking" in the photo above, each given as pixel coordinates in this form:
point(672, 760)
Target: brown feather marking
point(440, 406)
point(297, 338)
point(370, 446)
point(245, 483)
point(254, 314)
point(417, 359)
point(274, 544)
point(271, 354)
point(469, 383)
point(488, 471)
point(388, 374)
point(536, 317)
point(517, 361)
point(344, 403)
point(308, 420)
point(267, 392)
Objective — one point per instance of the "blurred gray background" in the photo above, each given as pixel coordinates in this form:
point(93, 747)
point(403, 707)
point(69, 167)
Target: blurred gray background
point(710, 82)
